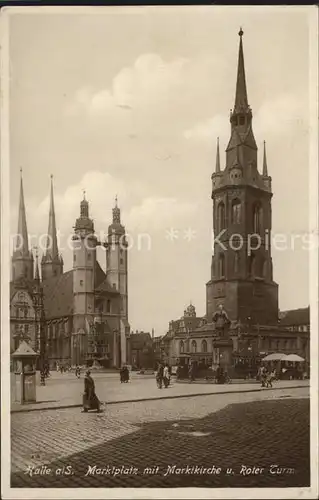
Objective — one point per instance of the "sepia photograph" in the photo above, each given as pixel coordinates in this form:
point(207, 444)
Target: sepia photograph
point(159, 252)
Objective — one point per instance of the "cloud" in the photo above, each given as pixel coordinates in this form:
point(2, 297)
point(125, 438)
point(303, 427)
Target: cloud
point(159, 213)
point(148, 81)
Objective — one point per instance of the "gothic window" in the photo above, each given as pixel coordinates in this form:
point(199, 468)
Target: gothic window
point(252, 265)
point(74, 258)
point(89, 256)
point(221, 263)
point(25, 312)
point(236, 262)
point(204, 346)
point(257, 218)
point(17, 312)
point(181, 347)
point(236, 212)
point(26, 329)
point(260, 270)
point(194, 346)
point(81, 282)
point(108, 306)
point(221, 216)
point(121, 261)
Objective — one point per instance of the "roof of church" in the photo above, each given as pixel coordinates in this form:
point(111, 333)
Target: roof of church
point(20, 284)
point(295, 317)
point(139, 339)
point(58, 295)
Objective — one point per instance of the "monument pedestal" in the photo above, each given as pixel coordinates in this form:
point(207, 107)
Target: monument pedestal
point(225, 350)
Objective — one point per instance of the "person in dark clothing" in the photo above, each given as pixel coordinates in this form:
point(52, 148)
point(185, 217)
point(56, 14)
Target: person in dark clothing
point(90, 399)
point(159, 376)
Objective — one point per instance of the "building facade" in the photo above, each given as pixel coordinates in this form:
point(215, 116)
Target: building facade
point(74, 317)
point(241, 278)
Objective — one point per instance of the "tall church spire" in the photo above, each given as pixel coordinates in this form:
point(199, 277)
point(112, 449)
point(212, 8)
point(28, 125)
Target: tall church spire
point(22, 258)
point(22, 243)
point(37, 273)
point(51, 264)
point(265, 167)
point(241, 100)
point(217, 169)
point(52, 242)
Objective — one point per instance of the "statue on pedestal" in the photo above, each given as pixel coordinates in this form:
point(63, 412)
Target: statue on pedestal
point(221, 320)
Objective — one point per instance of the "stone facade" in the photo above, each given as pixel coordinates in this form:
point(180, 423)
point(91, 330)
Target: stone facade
point(82, 313)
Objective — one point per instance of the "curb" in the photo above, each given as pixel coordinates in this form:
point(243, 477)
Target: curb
point(108, 403)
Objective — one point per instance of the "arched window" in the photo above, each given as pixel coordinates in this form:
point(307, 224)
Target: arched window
point(221, 265)
point(194, 346)
point(257, 218)
point(181, 347)
point(260, 268)
point(236, 212)
point(221, 216)
point(204, 346)
point(236, 263)
point(251, 269)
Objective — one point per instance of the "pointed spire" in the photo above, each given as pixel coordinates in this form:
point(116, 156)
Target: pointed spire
point(52, 242)
point(241, 100)
point(37, 273)
point(22, 243)
point(265, 167)
point(116, 213)
point(217, 169)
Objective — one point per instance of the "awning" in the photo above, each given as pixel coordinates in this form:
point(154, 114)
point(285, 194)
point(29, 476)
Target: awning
point(293, 357)
point(276, 356)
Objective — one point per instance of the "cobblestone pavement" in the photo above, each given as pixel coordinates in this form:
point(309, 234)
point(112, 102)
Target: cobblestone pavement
point(228, 431)
point(66, 390)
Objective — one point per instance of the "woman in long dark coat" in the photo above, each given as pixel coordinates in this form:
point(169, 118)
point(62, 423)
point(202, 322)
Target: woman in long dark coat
point(90, 399)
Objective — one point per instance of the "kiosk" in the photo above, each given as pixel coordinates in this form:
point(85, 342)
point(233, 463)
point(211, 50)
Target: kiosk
point(24, 374)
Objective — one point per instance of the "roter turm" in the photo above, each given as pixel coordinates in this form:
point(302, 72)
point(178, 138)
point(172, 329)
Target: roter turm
point(241, 269)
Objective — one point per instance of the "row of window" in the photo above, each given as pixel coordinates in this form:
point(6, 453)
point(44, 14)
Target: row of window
point(236, 215)
point(21, 312)
point(264, 344)
point(256, 266)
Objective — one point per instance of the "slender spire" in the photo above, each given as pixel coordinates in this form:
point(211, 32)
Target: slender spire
point(37, 273)
point(217, 169)
point(265, 167)
point(116, 213)
point(52, 242)
point(241, 100)
point(22, 243)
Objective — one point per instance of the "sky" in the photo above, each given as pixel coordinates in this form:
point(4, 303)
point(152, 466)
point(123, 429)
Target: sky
point(130, 102)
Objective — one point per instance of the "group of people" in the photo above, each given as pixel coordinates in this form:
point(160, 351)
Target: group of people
point(163, 376)
point(266, 376)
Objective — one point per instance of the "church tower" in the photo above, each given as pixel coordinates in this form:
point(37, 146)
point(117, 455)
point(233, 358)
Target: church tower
point(84, 259)
point(22, 258)
point(52, 262)
point(241, 271)
point(116, 259)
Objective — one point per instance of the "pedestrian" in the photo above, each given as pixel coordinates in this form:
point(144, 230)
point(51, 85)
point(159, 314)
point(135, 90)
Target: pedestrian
point(78, 371)
point(166, 376)
point(90, 399)
point(159, 376)
point(191, 373)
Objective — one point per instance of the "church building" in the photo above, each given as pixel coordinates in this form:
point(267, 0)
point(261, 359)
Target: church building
point(75, 317)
